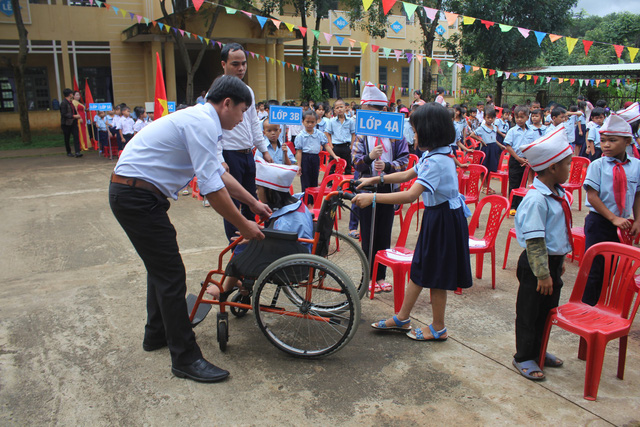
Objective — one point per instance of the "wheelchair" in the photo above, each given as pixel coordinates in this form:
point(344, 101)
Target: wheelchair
point(306, 304)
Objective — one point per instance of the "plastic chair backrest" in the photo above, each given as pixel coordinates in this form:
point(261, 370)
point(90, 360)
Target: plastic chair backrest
point(324, 157)
point(335, 179)
point(621, 264)
point(625, 235)
point(525, 177)
point(477, 175)
point(497, 213)
point(336, 166)
point(406, 223)
point(503, 165)
point(413, 160)
point(477, 157)
point(579, 166)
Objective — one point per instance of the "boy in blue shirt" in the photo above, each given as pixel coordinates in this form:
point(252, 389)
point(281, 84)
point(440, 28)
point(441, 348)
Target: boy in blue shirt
point(103, 131)
point(612, 196)
point(279, 152)
point(341, 132)
point(543, 228)
point(593, 138)
point(516, 138)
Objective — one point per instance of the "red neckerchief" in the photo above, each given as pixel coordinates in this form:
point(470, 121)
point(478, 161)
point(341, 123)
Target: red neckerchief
point(620, 185)
point(567, 215)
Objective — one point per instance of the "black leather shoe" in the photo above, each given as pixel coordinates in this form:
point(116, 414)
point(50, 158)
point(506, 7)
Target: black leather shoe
point(69, 155)
point(201, 371)
point(78, 154)
point(153, 347)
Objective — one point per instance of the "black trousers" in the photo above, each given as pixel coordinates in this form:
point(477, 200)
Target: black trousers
point(597, 229)
point(67, 131)
point(382, 230)
point(310, 171)
point(532, 308)
point(516, 172)
point(143, 216)
point(242, 167)
point(344, 152)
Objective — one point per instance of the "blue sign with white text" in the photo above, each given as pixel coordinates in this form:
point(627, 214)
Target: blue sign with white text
point(378, 123)
point(279, 115)
point(100, 106)
point(171, 106)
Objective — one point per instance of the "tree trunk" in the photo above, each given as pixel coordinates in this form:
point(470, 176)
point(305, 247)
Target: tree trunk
point(18, 71)
point(499, 81)
point(428, 31)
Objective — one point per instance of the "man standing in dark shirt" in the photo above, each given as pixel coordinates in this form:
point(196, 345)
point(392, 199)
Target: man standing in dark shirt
point(69, 123)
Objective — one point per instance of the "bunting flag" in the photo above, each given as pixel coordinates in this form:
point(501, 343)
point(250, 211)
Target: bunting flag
point(505, 28)
point(633, 51)
point(571, 43)
point(431, 13)
point(525, 33)
point(261, 19)
point(487, 24)
point(587, 45)
point(327, 37)
point(197, 4)
point(160, 106)
point(363, 46)
point(289, 26)
point(554, 37)
point(539, 36)
point(468, 20)
point(387, 5)
point(409, 8)
point(303, 31)
point(339, 40)
point(451, 18)
point(618, 49)
point(366, 4)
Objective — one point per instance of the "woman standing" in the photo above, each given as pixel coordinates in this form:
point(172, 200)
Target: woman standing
point(82, 121)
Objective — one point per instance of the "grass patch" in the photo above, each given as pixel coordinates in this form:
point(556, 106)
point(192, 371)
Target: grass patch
point(39, 139)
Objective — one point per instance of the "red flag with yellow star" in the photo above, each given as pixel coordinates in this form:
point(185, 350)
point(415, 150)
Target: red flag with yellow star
point(160, 107)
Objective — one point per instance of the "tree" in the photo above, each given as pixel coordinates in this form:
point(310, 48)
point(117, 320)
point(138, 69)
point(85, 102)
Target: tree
point(18, 73)
point(494, 49)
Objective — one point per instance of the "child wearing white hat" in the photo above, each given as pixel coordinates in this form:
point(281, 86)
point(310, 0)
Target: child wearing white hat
point(612, 196)
point(289, 213)
point(543, 228)
point(631, 114)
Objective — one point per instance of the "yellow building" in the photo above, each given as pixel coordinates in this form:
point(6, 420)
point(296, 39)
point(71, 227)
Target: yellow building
point(115, 54)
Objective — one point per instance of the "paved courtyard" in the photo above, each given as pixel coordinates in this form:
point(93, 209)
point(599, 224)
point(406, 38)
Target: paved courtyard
point(72, 312)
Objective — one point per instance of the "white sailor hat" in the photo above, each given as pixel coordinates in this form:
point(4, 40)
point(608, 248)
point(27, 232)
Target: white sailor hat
point(631, 113)
point(548, 150)
point(371, 95)
point(617, 126)
point(275, 176)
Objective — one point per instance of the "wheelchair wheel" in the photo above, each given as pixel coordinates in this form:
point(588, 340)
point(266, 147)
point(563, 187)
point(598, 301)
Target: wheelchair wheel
point(223, 330)
point(348, 255)
point(244, 299)
point(302, 326)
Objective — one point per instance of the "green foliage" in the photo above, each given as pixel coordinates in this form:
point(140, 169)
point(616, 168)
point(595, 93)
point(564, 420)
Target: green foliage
point(39, 139)
point(311, 85)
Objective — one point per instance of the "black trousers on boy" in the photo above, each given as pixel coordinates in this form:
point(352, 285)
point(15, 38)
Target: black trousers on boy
point(532, 308)
point(143, 216)
point(516, 172)
point(597, 229)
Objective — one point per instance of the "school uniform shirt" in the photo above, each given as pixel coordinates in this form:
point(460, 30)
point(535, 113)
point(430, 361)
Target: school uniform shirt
point(276, 154)
point(459, 127)
point(341, 132)
point(436, 172)
point(109, 120)
point(502, 125)
point(600, 178)
point(570, 127)
point(408, 133)
point(541, 216)
point(311, 143)
point(262, 115)
point(480, 116)
point(594, 135)
point(137, 127)
point(187, 141)
point(101, 123)
point(322, 124)
point(517, 137)
point(116, 121)
point(538, 132)
point(488, 134)
point(295, 218)
point(126, 125)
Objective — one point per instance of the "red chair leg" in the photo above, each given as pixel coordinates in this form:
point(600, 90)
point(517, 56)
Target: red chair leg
point(506, 251)
point(372, 286)
point(582, 349)
point(545, 341)
point(493, 268)
point(622, 356)
point(399, 274)
point(595, 358)
point(579, 198)
point(479, 262)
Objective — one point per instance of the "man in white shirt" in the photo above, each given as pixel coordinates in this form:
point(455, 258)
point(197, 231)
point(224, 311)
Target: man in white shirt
point(157, 163)
point(236, 147)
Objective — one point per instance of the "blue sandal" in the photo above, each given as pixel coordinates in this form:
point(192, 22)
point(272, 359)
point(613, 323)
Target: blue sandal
point(552, 361)
point(381, 325)
point(419, 335)
point(531, 367)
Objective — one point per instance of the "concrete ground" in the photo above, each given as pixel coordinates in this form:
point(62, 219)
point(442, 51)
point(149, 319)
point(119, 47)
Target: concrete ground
point(72, 312)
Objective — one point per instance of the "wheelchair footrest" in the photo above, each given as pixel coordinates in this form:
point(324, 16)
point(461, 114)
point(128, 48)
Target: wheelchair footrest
point(201, 313)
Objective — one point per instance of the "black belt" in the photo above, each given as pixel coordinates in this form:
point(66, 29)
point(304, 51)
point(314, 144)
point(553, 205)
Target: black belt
point(245, 151)
point(136, 183)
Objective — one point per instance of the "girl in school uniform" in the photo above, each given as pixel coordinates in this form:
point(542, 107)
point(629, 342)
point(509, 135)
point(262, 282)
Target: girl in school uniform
point(141, 122)
point(308, 144)
point(503, 124)
point(441, 259)
point(487, 134)
point(321, 109)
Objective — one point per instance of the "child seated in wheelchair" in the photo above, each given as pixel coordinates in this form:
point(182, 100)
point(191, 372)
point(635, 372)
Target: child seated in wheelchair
point(289, 214)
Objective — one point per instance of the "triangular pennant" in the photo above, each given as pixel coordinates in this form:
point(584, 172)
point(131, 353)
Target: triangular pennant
point(387, 51)
point(276, 22)
point(554, 37)
point(587, 45)
point(504, 28)
point(608, 82)
point(316, 34)
point(499, 73)
point(115, 9)
point(437, 61)
point(571, 43)
point(633, 51)
point(409, 57)
point(181, 32)
point(548, 79)
point(468, 20)
point(363, 46)
point(352, 42)
point(339, 40)
point(366, 4)
point(560, 81)
point(597, 83)
point(187, 33)
point(249, 14)
point(289, 26)
point(175, 29)
point(374, 48)
point(131, 15)
point(507, 74)
point(398, 53)
point(327, 37)
point(431, 13)
point(487, 24)
point(475, 68)
point(420, 58)
point(525, 33)
point(123, 12)
point(146, 21)
point(535, 80)
point(528, 76)
point(618, 49)
point(107, 5)
point(230, 10)
point(428, 60)
point(262, 20)
point(540, 35)
point(303, 31)
point(161, 25)
point(387, 5)
point(219, 44)
point(409, 8)
point(202, 39)
point(492, 72)
point(484, 72)
point(197, 4)
point(451, 18)
point(139, 18)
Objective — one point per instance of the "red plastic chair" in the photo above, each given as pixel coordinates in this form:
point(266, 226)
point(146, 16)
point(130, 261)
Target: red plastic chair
point(611, 317)
point(471, 179)
point(579, 166)
point(397, 259)
point(512, 234)
point(502, 173)
point(339, 166)
point(476, 157)
point(324, 159)
point(522, 190)
point(487, 243)
point(413, 160)
point(329, 183)
point(111, 150)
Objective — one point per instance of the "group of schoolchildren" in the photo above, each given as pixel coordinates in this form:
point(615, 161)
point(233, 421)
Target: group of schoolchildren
point(120, 122)
point(441, 259)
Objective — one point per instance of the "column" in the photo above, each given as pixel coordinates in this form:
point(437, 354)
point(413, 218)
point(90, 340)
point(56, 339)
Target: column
point(280, 73)
point(271, 71)
point(66, 65)
point(369, 65)
point(170, 70)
